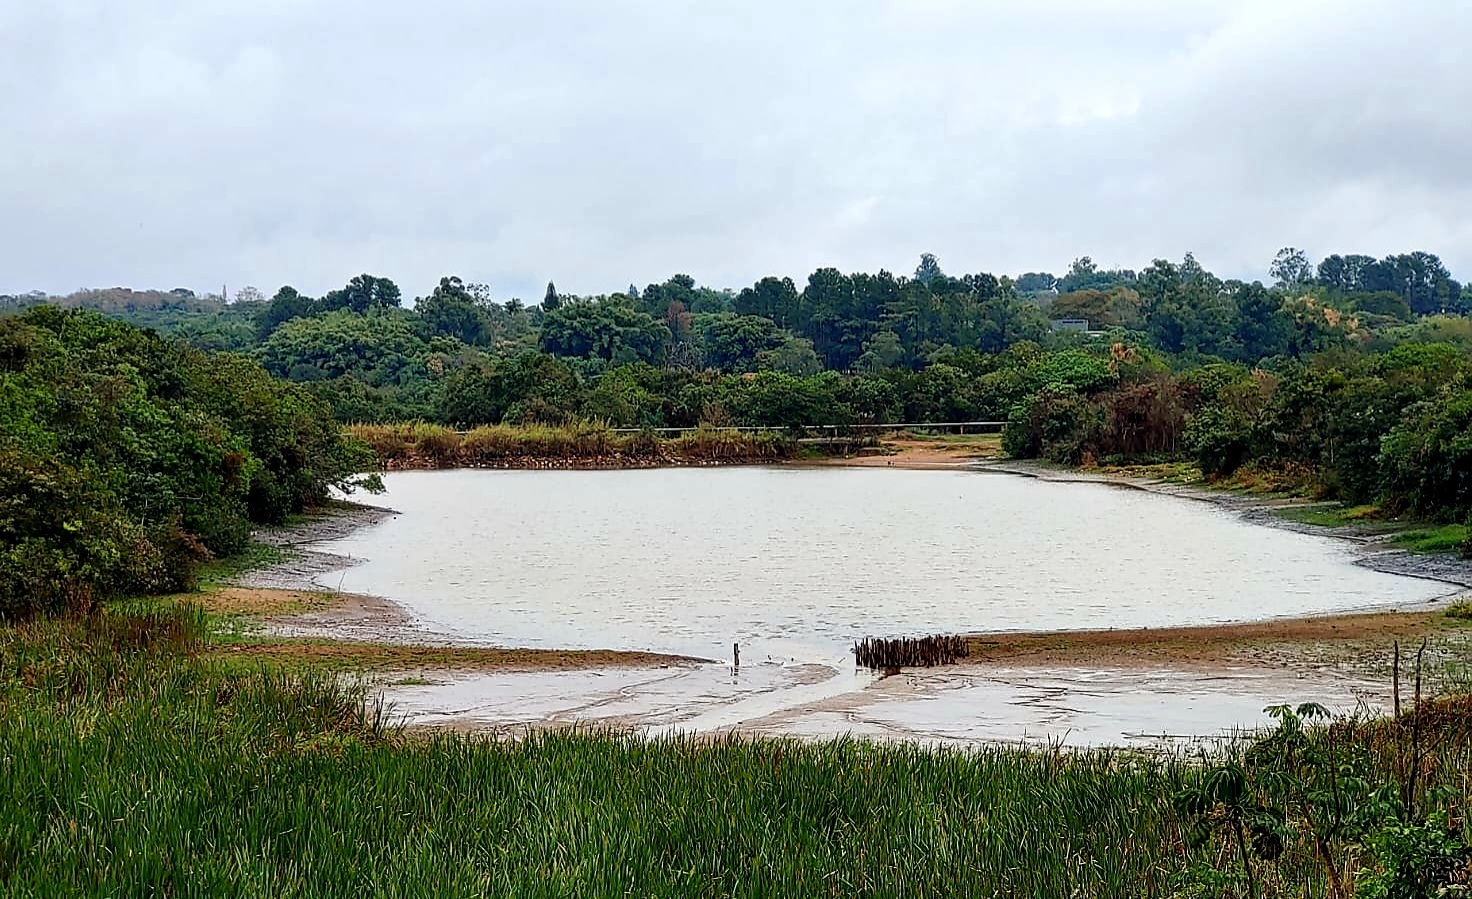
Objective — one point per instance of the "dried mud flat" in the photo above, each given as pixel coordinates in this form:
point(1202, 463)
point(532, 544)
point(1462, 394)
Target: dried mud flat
point(1357, 644)
point(1078, 706)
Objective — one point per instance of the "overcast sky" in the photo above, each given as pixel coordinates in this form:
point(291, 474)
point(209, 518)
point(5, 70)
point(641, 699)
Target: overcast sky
point(603, 142)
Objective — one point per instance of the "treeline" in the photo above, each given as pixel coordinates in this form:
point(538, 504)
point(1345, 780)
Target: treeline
point(1393, 428)
point(126, 459)
point(374, 360)
point(1170, 361)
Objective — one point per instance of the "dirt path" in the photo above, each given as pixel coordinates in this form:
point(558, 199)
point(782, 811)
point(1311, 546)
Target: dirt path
point(912, 452)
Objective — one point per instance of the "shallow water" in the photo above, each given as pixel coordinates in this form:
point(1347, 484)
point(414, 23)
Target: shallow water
point(957, 705)
point(795, 563)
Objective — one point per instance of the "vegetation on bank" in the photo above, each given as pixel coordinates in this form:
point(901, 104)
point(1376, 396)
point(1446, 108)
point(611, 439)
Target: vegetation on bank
point(1388, 429)
point(127, 459)
point(133, 757)
point(590, 444)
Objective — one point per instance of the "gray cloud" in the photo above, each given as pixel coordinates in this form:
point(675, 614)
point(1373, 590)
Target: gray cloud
point(160, 143)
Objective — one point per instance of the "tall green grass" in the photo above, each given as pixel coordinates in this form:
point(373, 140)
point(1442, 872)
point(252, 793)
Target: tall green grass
point(578, 443)
point(132, 765)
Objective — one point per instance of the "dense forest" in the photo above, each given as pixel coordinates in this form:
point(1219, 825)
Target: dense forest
point(1353, 373)
point(126, 458)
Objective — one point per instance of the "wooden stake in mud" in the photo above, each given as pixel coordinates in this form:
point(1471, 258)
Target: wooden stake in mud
point(1400, 755)
point(1415, 736)
point(1395, 677)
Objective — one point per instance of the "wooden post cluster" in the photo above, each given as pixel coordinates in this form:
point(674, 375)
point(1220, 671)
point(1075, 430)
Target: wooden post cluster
point(908, 652)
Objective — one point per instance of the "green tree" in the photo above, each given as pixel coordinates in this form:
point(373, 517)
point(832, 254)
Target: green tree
point(1427, 456)
point(928, 269)
point(883, 350)
point(793, 356)
point(1117, 307)
point(450, 311)
point(286, 305)
point(773, 298)
point(733, 342)
point(361, 294)
point(530, 386)
point(381, 348)
point(127, 458)
point(607, 328)
point(1290, 269)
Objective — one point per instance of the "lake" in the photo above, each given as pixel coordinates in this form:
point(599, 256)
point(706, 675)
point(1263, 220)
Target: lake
point(795, 563)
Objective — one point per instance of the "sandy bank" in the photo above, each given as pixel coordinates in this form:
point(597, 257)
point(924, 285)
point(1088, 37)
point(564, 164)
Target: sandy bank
point(349, 631)
point(1357, 641)
point(918, 453)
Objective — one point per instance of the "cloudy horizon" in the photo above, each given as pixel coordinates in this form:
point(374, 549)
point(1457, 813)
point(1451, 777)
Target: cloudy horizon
point(597, 144)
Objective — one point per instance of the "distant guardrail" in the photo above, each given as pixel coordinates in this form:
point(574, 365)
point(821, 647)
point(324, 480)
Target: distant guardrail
point(958, 426)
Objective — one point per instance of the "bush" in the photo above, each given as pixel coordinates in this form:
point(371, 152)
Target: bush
point(1060, 427)
point(127, 459)
point(1427, 457)
point(1417, 861)
point(1219, 439)
point(388, 442)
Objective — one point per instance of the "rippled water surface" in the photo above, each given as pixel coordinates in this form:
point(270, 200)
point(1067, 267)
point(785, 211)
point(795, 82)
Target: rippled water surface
point(795, 563)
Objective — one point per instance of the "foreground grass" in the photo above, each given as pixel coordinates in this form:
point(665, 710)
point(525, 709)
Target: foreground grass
point(132, 763)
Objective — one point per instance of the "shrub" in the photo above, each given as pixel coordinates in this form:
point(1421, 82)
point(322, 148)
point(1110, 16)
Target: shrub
point(1060, 427)
point(1219, 439)
point(1418, 860)
point(127, 459)
point(490, 442)
point(388, 442)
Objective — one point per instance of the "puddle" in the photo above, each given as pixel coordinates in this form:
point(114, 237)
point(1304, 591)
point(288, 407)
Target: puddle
point(1068, 706)
point(700, 698)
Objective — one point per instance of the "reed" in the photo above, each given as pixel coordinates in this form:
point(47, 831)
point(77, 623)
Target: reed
point(575, 444)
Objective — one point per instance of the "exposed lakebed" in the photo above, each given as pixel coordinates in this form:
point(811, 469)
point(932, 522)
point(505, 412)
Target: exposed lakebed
point(795, 563)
